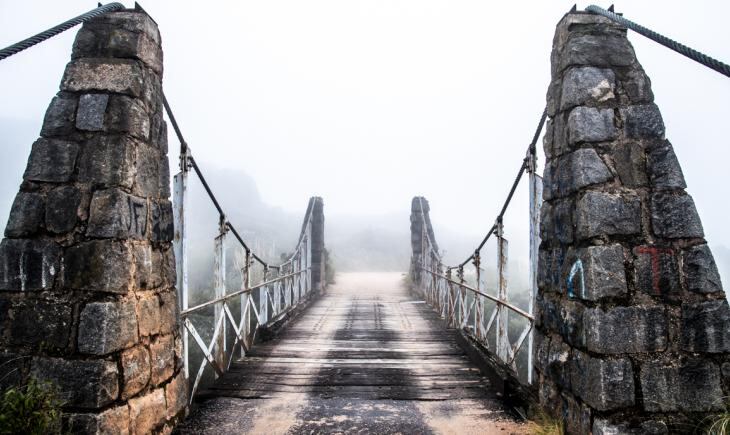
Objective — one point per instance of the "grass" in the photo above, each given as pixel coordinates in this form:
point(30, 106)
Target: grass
point(544, 424)
point(720, 423)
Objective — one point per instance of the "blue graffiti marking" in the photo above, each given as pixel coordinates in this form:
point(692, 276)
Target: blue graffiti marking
point(577, 267)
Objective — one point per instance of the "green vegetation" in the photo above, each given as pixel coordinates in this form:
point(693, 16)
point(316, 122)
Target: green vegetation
point(33, 408)
point(544, 424)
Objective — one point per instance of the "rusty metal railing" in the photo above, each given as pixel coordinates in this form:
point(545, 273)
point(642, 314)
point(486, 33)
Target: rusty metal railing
point(462, 299)
point(265, 295)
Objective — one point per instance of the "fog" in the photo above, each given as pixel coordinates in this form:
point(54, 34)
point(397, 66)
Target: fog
point(369, 103)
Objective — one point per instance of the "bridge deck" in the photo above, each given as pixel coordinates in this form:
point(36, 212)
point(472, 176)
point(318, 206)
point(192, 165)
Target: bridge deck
point(364, 358)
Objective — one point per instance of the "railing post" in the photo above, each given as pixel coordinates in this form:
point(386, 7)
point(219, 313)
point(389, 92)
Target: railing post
point(245, 299)
point(503, 346)
point(219, 284)
point(479, 305)
point(535, 192)
point(180, 205)
point(263, 300)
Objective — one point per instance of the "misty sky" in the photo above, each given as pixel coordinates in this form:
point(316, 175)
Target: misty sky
point(368, 103)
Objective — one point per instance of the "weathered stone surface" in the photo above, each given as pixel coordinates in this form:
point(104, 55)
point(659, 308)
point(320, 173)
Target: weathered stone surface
point(570, 324)
point(602, 383)
point(148, 412)
point(136, 370)
point(577, 417)
point(625, 329)
point(51, 160)
point(41, 323)
point(149, 268)
point(161, 143)
point(105, 327)
point(691, 385)
point(664, 169)
point(176, 393)
point(674, 216)
point(606, 214)
point(82, 383)
point(706, 327)
point(164, 177)
point(597, 50)
point(630, 162)
point(569, 173)
point(129, 21)
point(28, 264)
point(700, 270)
point(557, 221)
point(26, 214)
point(162, 352)
point(128, 115)
point(169, 318)
point(114, 213)
point(601, 272)
point(111, 421)
point(637, 86)
point(549, 271)
point(99, 265)
point(642, 121)
point(656, 271)
point(62, 207)
point(587, 85)
point(108, 161)
point(99, 40)
point(588, 124)
point(90, 115)
point(148, 174)
point(649, 427)
point(60, 116)
point(163, 229)
point(148, 312)
point(123, 76)
point(558, 363)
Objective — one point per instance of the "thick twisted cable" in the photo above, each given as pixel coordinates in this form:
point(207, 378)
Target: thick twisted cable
point(682, 49)
point(37, 39)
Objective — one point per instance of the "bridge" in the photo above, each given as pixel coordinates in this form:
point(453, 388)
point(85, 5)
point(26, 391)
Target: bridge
point(626, 329)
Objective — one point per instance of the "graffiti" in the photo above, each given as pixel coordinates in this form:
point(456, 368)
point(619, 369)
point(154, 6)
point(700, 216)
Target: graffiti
point(137, 210)
point(577, 267)
point(655, 256)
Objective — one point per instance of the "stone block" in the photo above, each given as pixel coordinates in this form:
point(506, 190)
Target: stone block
point(41, 324)
point(148, 412)
point(689, 385)
point(597, 50)
point(122, 76)
point(51, 160)
point(148, 313)
point(599, 273)
point(161, 142)
point(556, 222)
point(706, 327)
point(589, 124)
point(656, 271)
point(108, 161)
point(90, 115)
point(60, 116)
point(128, 115)
point(130, 21)
point(114, 213)
point(106, 327)
point(26, 214)
point(637, 86)
point(571, 323)
point(136, 370)
point(169, 317)
point(62, 206)
point(648, 427)
point(700, 270)
point(96, 40)
point(163, 229)
point(558, 363)
point(550, 265)
point(89, 384)
point(571, 172)
point(642, 121)
point(99, 265)
point(176, 395)
point(637, 329)
point(149, 267)
point(28, 264)
point(674, 216)
point(663, 167)
point(603, 384)
point(587, 85)
point(577, 416)
point(629, 160)
point(111, 421)
point(607, 214)
point(163, 180)
point(162, 352)
point(148, 173)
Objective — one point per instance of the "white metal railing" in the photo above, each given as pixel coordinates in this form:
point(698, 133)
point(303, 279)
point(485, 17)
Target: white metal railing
point(463, 300)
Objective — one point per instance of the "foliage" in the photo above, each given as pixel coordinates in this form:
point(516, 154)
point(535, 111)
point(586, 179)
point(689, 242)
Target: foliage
point(720, 424)
point(544, 424)
point(33, 408)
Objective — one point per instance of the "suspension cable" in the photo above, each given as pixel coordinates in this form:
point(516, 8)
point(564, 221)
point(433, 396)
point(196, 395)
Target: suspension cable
point(682, 49)
point(53, 31)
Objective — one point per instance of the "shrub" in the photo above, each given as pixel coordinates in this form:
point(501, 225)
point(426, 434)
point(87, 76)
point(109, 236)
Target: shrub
point(33, 408)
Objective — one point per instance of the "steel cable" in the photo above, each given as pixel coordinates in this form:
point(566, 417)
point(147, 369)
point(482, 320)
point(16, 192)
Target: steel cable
point(682, 49)
point(53, 31)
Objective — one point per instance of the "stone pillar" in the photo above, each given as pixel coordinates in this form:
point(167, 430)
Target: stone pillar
point(419, 214)
point(318, 261)
point(87, 275)
point(633, 328)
